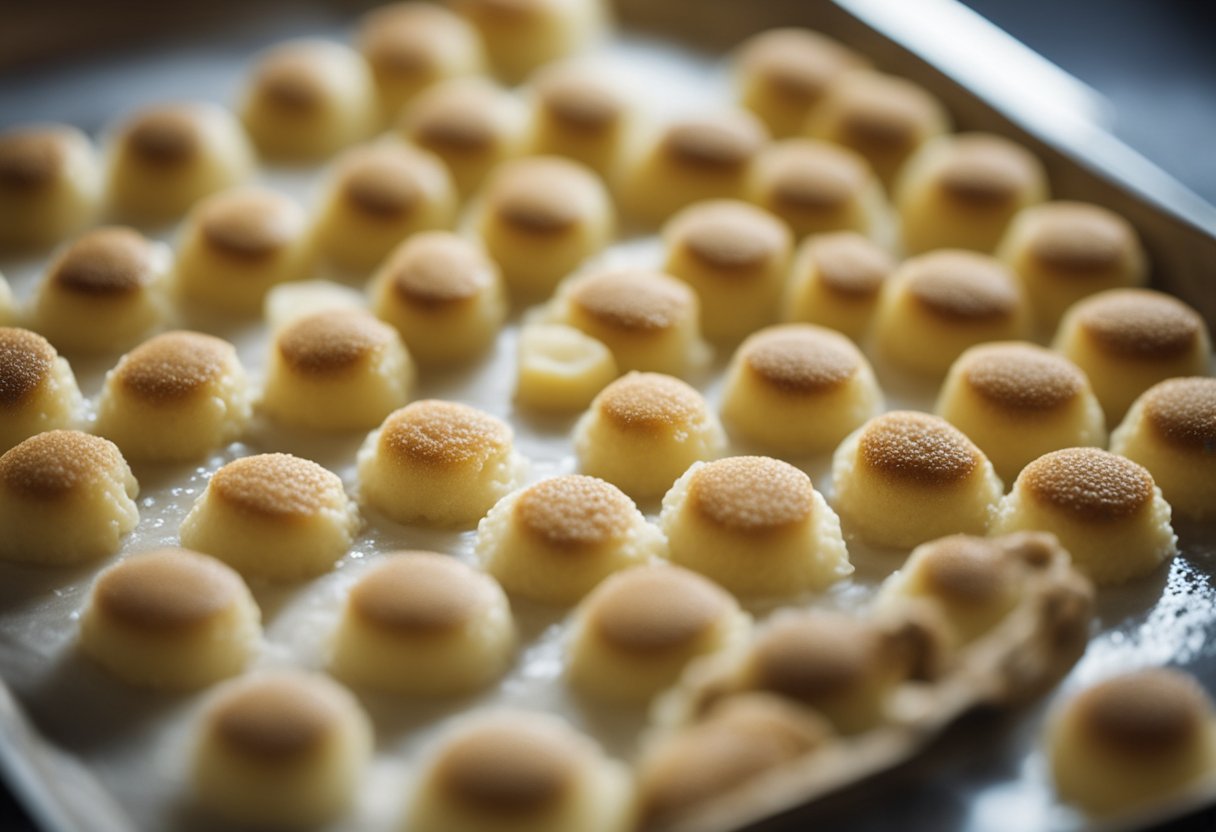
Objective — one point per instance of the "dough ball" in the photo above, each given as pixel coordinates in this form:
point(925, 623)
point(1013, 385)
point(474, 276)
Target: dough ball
point(836, 281)
point(581, 112)
point(521, 35)
point(50, 185)
point(38, 390)
point(560, 368)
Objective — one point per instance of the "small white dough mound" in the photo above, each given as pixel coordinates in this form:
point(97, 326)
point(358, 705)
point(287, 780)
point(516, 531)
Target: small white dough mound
point(521, 35)
point(560, 368)
point(582, 112)
point(50, 185)
point(836, 281)
point(38, 390)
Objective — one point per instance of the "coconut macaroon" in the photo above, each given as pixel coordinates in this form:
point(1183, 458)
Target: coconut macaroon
point(581, 112)
point(281, 750)
point(66, 498)
point(648, 319)
point(307, 99)
point(506, 771)
point(962, 191)
point(236, 245)
point(939, 304)
point(376, 196)
point(410, 46)
point(438, 463)
point(339, 370)
point(560, 368)
point(1127, 340)
point(103, 292)
point(274, 517)
point(688, 160)
point(906, 477)
point(469, 123)
point(444, 296)
point(633, 636)
point(836, 281)
point(755, 525)
point(1171, 431)
point(884, 118)
point(1132, 740)
point(817, 187)
point(1017, 401)
point(521, 35)
point(735, 256)
point(643, 431)
point(1066, 251)
point(164, 158)
point(554, 541)
point(175, 397)
point(539, 218)
point(798, 389)
point(784, 75)
point(38, 390)
point(420, 623)
point(170, 619)
point(50, 185)
point(1106, 510)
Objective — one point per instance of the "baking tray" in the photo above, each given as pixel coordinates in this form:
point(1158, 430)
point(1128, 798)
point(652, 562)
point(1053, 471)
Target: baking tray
point(985, 773)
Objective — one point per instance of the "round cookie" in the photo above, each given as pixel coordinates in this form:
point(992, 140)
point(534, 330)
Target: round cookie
point(274, 517)
point(817, 187)
point(307, 99)
point(38, 391)
point(1017, 401)
point(539, 218)
point(170, 619)
point(1127, 340)
point(103, 292)
point(236, 245)
point(378, 195)
point(735, 256)
point(175, 397)
point(410, 46)
point(280, 750)
point(438, 463)
point(339, 370)
point(635, 633)
point(643, 431)
point(1066, 251)
point(1132, 740)
point(962, 191)
point(939, 304)
point(420, 623)
point(66, 498)
point(557, 539)
point(836, 281)
point(579, 111)
point(560, 368)
point(50, 185)
point(507, 771)
point(904, 478)
point(756, 526)
point(1106, 510)
point(163, 159)
point(798, 389)
point(444, 296)
point(1171, 431)
point(521, 35)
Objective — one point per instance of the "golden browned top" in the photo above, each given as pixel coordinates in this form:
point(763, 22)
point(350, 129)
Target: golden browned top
point(250, 223)
point(575, 512)
point(33, 157)
point(276, 717)
point(801, 358)
point(650, 401)
point(411, 39)
point(1022, 376)
point(420, 593)
point(106, 262)
point(26, 359)
point(882, 113)
point(721, 143)
point(277, 486)
point(1079, 238)
point(166, 136)
point(850, 264)
point(916, 447)
point(1181, 410)
point(580, 99)
point(1144, 714)
point(811, 176)
point(730, 236)
point(656, 609)
point(1089, 484)
point(962, 285)
point(334, 342)
point(813, 655)
point(971, 571)
point(166, 590)
point(291, 78)
point(798, 64)
point(1140, 324)
point(984, 170)
point(386, 181)
point(438, 268)
point(544, 195)
point(635, 301)
point(457, 117)
point(51, 465)
point(751, 494)
point(174, 365)
point(434, 432)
